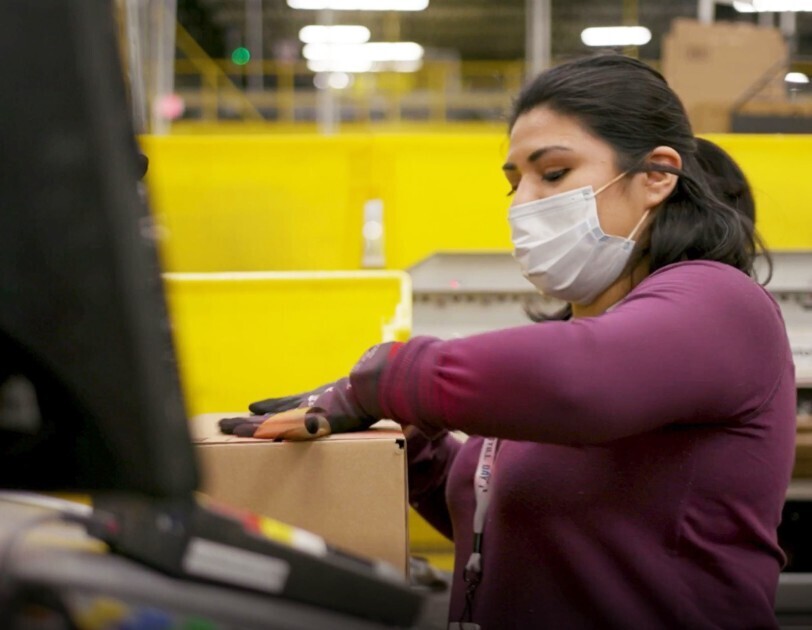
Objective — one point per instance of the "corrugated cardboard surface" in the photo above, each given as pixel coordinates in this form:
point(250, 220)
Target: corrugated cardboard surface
point(710, 66)
point(348, 488)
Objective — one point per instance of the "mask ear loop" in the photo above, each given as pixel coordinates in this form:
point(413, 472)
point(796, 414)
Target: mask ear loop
point(648, 211)
point(610, 182)
point(630, 237)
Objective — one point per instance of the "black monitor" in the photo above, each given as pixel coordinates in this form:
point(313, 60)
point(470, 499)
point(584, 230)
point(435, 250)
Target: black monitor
point(89, 393)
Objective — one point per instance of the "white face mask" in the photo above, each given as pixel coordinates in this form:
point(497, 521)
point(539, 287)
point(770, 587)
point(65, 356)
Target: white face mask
point(561, 248)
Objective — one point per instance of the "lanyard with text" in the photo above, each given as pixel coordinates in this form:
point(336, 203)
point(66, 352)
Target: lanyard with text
point(482, 486)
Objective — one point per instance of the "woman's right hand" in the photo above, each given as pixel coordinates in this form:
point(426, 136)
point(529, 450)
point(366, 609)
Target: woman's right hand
point(246, 426)
point(328, 409)
point(284, 403)
point(349, 404)
point(291, 425)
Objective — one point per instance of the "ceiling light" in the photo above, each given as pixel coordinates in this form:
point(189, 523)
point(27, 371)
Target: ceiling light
point(360, 5)
point(742, 6)
point(368, 57)
point(616, 36)
point(796, 77)
point(351, 66)
point(315, 34)
point(398, 66)
point(332, 80)
point(371, 51)
point(775, 6)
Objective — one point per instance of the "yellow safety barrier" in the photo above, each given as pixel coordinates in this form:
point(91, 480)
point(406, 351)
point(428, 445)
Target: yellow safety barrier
point(295, 202)
point(777, 168)
point(257, 203)
point(441, 193)
point(242, 337)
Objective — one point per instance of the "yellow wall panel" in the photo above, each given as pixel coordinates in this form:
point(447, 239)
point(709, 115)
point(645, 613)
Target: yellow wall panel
point(292, 202)
point(242, 337)
point(252, 202)
point(778, 168)
point(441, 193)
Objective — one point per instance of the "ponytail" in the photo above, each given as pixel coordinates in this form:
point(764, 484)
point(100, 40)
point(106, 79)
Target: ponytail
point(695, 224)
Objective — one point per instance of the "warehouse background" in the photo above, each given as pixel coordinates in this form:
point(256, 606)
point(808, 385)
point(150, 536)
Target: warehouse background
point(261, 161)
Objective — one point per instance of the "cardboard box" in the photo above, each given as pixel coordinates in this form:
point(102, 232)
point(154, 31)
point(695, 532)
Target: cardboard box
point(348, 488)
point(712, 66)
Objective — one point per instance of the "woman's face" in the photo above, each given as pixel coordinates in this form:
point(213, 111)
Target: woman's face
point(551, 153)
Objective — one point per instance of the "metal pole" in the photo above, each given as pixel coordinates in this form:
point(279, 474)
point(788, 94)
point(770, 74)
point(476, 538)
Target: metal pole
point(789, 27)
point(631, 17)
point(787, 22)
point(706, 10)
point(538, 33)
point(138, 95)
point(162, 62)
point(254, 43)
point(326, 110)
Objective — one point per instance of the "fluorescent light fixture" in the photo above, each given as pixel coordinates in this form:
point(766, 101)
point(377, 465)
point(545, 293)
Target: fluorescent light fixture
point(616, 36)
point(332, 80)
point(350, 66)
point(315, 34)
point(796, 77)
point(360, 5)
point(774, 6)
point(743, 7)
point(399, 66)
point(339, 80)
point(355, 66)
point(371, 51)
point(368, 57)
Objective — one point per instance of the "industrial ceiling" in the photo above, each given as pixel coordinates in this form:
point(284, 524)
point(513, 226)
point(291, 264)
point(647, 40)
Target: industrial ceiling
point(466, 29)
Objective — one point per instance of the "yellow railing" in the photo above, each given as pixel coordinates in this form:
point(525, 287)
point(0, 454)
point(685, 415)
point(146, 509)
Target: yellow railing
point(440, 92)
point(215, 81)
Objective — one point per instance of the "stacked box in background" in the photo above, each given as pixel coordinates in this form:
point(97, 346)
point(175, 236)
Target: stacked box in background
point(712, 66)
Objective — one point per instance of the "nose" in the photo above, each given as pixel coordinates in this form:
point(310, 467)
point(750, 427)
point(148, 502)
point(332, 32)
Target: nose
point(524, 193)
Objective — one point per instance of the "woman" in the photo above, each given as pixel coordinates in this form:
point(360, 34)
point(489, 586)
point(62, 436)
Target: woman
point(627, 467)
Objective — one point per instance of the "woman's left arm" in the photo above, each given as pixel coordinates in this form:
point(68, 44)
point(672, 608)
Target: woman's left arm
point(694, 342)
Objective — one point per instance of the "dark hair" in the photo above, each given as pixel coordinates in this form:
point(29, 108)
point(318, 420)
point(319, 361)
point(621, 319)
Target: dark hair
point(629, 105)
point(726, 177)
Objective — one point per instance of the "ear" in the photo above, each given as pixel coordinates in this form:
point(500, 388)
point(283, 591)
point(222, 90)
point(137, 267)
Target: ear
point(659, 185)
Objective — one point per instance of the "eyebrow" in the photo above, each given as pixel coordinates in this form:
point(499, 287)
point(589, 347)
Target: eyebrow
point(535, 155)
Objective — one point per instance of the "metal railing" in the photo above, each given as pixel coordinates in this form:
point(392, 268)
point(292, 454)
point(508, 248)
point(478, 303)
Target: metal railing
point(441, 91)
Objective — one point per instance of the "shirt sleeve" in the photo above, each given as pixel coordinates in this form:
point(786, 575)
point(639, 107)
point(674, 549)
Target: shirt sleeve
point(429, 464)
point(695, 342)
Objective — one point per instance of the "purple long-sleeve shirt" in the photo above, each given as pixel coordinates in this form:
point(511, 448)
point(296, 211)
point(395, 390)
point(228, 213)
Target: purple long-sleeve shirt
point(643, 459)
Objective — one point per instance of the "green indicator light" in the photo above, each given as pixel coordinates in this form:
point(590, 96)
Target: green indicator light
point(241, 56)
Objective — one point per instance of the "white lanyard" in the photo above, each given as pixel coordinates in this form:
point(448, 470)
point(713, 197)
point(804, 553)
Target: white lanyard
point(482, 483)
